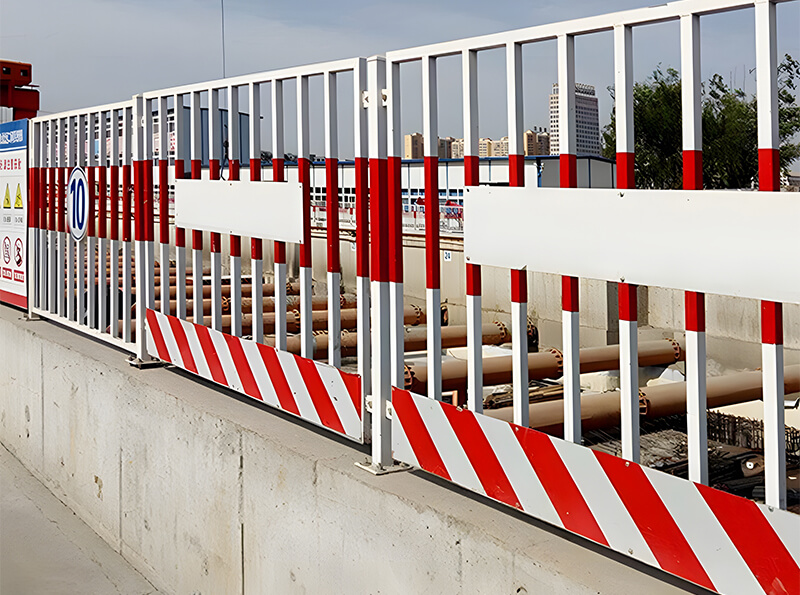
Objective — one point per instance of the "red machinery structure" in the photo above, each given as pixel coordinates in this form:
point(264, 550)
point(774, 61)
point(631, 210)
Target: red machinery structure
point(15, 77)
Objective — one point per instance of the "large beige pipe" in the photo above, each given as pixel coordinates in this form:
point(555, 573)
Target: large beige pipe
point(547, 364)
point(415, 339)
point(603, 410)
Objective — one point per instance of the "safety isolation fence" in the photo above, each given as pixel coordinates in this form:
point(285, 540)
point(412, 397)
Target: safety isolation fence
point(158, 298)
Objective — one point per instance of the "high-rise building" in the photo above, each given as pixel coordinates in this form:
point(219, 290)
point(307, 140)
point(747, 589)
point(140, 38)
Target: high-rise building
point(446, 147)
point(536, 142)
point(485, 147)
point(587, 120)
point(414, 146)
point(457, 148)
point(500, 147)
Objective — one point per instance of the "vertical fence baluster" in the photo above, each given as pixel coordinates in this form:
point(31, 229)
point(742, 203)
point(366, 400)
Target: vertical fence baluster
point(127, 216)
point(279, 271)
point(695, 315)
point(61, 256)
point(197, 235)
point(256, 244)
point(81, 260)
point(91, 232)
point(102, 227)
point(469, 77)
point(304, 176)
point(214, 147)
point(180, 233)
point(35, 145)
point(519, 278)
point(771, 312)
point(361, 170)
point(628, 327)
point(430, 127)
point(235, 241)
point(394, 165)
point(48, 165)
point(332, 219)
point(163, 202)
point(379, 265)
point(570, 315)
point(114, 198)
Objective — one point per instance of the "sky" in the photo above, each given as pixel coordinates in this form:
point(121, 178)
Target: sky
point(91, 52)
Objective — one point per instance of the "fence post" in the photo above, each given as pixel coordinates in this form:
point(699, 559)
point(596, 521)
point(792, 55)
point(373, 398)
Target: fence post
point(379, 265)
point(279, 270)
point(394, 187)
point(332, 219)
point(145, 289)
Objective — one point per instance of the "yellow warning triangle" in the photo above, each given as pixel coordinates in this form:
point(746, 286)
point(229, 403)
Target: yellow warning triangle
point(7, 199)
point(18, 201)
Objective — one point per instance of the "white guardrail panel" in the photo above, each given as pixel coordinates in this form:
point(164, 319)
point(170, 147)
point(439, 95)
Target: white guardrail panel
point(741, 244)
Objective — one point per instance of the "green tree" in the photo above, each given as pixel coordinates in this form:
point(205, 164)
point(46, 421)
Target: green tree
point(730, 130)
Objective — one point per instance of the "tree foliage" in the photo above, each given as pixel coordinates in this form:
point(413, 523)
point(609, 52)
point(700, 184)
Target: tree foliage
point(730, 130)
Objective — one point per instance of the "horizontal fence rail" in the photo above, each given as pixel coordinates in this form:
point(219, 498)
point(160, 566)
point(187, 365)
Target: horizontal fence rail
point(257, 321)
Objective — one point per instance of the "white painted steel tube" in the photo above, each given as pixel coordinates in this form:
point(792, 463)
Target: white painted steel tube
point(774, 433)
point(381, 375)
point(127, 290)
point(434, 330)
point(334, 320)
point(280, 305)
point(180, 281)
point(236, 295)
point(629, 388)
point(474, 354)
point(519, 354)
point(570, 329)
point(696, 426)
point(197, 285)
point(257, 295)
point(102, 284)
point(216, 290)
point(164, 278)
point(114, 284)
point(306, 323)
point(396, 332)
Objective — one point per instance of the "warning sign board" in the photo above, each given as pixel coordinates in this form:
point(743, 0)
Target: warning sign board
point(13, 214)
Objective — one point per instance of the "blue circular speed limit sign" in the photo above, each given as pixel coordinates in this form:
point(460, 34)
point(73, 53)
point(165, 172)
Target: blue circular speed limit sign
point(77, 204)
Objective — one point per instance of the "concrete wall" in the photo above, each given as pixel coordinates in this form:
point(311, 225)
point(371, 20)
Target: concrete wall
point(206, 495)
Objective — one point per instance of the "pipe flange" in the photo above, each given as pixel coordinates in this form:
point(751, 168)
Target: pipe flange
point(505, 336)
point(408, 377)
point(559, 359)
point(644, 403)
point(676, 347)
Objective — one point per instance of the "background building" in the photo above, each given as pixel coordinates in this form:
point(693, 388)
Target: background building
point(415, 148)
point(587, 120)
point(536, 142)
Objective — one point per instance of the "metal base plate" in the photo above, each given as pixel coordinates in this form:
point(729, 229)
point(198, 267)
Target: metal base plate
point(142, 365)
point(380, 470)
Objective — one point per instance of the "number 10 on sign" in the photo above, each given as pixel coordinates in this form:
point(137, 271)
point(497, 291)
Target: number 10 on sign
point(77, 204)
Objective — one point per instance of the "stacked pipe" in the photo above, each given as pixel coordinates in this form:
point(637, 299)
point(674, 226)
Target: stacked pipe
point(603, 410)
point(547, 364)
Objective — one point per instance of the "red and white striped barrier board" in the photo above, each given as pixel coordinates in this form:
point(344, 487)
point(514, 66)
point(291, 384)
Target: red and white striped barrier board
point(722, 542)
point(316, 392)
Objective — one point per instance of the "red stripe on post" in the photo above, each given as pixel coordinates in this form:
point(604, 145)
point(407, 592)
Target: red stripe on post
point(158, 337)
point(653, 520)
point(570, 292)
point(210, 353)
point(769, 172)
point(304, 177)
point(625, 171)
point(163, 201)
point(183, 343)
point(319, 394)
point(179, 169)
point(42, 198)
point(282, 389)
point(216, 242)
point(256, 249)
point(180, 237)
point(277, 169)
point(471, 170)
point(51, 206)
point(280, 253)
point(362, 216)
point(418, 436)
point(519, 286)
point(126, 203)
point(61, 192)
point(379, 237)
point(481, 456)
point(557, 482)
point(627, 301)
point(233, 169)
point(516, 170)
point(255, 170)
point(236, 246)
point(332, 219)
point(138, 201)
point(432, 265)
point(695, 311)
point(755, 540)
point(692, 170)
point(196, 169)
point(113, 199)
point(102, 194)
point(771, 322)
point(568, 170)
point(473, 279)
point(197, 239)
point(249, 384)
point(32, 184)
point(395, 220)
point(213, 169)
point(149, 202)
